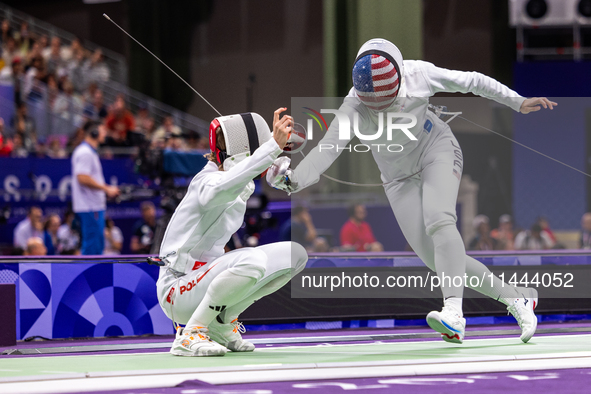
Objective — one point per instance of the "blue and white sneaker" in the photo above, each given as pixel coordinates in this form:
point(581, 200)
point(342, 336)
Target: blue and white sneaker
point(449, 323)
point(523, 311)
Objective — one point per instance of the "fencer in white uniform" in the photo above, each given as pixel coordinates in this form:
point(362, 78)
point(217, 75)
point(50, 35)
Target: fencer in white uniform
point(201, 286)
point(422, 180)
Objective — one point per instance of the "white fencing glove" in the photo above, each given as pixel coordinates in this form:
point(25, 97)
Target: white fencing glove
point(280, 176)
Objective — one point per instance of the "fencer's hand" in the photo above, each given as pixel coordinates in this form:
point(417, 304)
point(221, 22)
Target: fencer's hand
point(535, 104)
point(112, 191)
point(281, 127)
point(280, 176)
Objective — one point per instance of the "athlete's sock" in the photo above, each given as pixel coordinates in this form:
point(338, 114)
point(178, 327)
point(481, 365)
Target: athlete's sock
point(226, 289)
point(232, 312)
point(450, 261)
point(492, 286)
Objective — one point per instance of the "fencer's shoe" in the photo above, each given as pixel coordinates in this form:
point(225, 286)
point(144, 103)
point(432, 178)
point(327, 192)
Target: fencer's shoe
point(229, 335)
point(449, 323)
point(523, 311)
point(195, 342)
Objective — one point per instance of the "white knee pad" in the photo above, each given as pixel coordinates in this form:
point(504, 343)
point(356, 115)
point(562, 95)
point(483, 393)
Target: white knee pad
point(299, 258)
point(251, 263)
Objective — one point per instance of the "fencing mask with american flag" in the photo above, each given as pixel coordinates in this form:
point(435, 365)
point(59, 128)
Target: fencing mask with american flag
point(377, 73)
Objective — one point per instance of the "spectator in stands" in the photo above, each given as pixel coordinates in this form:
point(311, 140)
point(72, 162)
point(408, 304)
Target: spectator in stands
point(113, 238)
point(69, 52)
point(95, 69)
point(482, 240)
point(545, 225)
point(24, 38)
point(192, 140)
point(96, 110)
point(51, 226)
point(40, 150)
point(356, 233)
point(143, 231)
point(55, 149)
point(141, 115)
point(18, 147)
point(119, 122)
point(203, 143)
point(35, 52)
point(31, 226)
point(76, 138)
point(175, 143)
point(68, 235)
point(32, 88)
point(533, 239)
point(299, 228)
point(167, 130)
point(75, 69)
point(53, 58)
point(25, 125)
point(5, 142)
point(585, 240)
point(16, 77)
point(320, 245)
point(504, 234)
point(89, 190)
point(43, 43)
point(68, 106)
point(6, 30)
point(10, 51)
point(35, 247)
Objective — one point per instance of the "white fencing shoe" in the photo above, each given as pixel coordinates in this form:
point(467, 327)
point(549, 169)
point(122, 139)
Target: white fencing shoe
point(195, 342)
point(449, 323)
point(523, 311)
point(229, 336)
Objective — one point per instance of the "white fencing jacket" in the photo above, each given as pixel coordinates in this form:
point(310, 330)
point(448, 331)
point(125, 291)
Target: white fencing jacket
point(213, 209)
point(420, 80)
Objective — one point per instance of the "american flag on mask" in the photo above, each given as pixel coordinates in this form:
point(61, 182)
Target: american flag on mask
point(376, 81)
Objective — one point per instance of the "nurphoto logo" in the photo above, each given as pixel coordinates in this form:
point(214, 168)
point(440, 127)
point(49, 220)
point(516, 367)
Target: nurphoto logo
point(345, 128)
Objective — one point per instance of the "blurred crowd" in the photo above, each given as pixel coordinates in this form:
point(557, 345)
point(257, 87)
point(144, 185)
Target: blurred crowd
point(539, 236)
point(66, 80)
point(51, 234)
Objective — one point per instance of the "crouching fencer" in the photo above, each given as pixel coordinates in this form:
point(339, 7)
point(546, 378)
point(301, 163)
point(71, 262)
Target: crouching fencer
point(421, 180)
point(201, 286)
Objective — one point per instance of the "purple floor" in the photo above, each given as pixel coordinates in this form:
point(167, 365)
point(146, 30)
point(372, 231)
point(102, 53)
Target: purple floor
point(553, 381)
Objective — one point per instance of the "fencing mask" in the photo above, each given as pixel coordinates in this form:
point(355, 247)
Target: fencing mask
point(377, 73)
point(243, 134)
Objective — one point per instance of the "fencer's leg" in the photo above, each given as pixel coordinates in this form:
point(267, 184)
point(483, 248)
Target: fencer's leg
point(230, 286)
point(285, 260)
point(406, 202)
point(440, 191)
point(499, 290)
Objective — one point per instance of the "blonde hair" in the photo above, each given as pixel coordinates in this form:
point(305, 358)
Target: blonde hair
point(220, 143)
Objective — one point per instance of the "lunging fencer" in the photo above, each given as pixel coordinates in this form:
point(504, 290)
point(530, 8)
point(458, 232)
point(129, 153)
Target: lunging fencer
point(421, 181)
point(201, 286)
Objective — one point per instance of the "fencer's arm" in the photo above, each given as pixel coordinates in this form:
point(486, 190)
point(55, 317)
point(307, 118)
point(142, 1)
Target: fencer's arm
point(452, 81)
point(320, 158)
point(224, 186)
